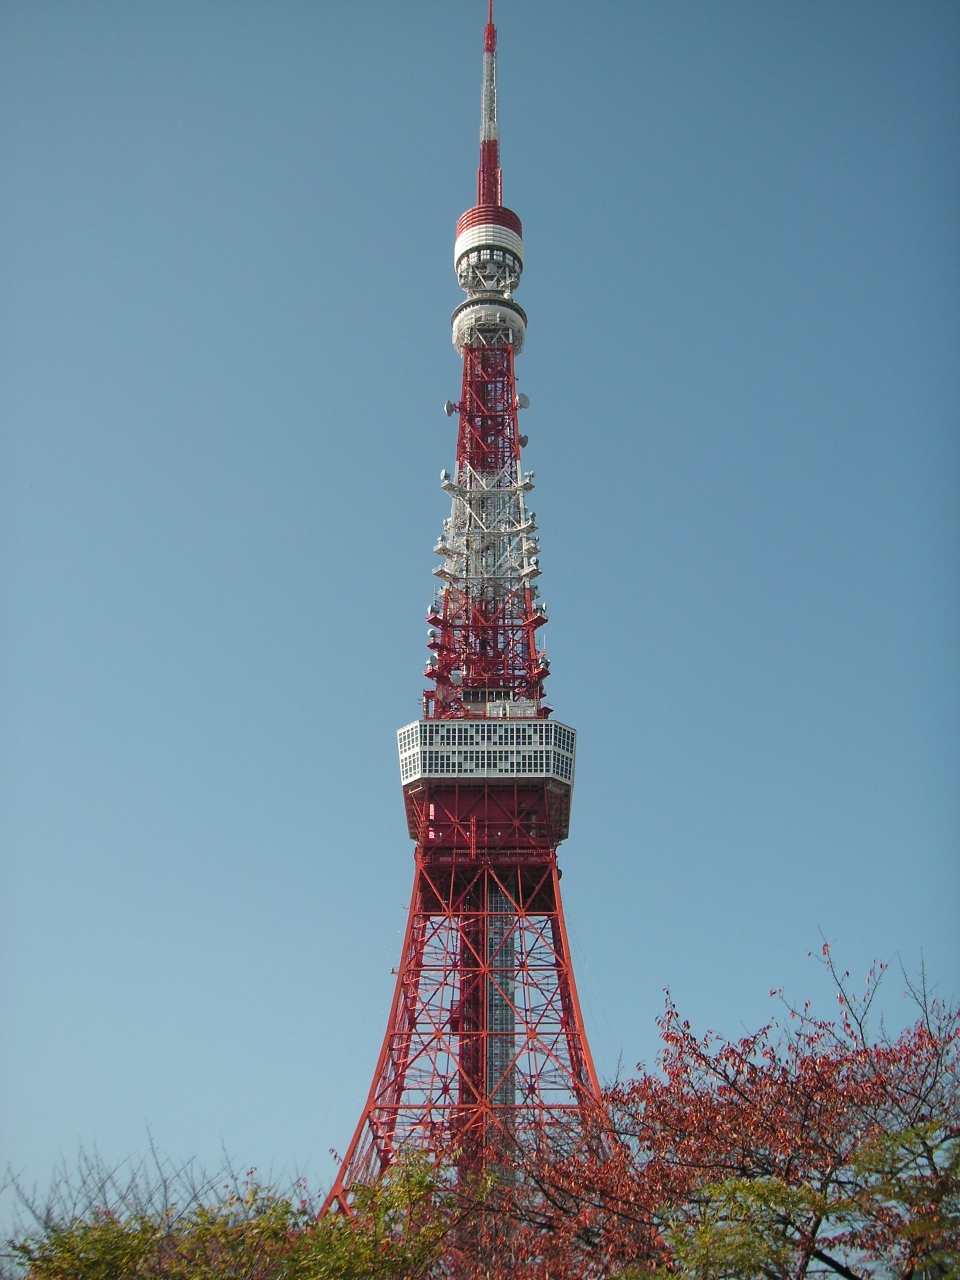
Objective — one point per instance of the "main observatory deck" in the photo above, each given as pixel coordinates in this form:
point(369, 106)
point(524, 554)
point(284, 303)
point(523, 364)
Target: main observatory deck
point(487, 749)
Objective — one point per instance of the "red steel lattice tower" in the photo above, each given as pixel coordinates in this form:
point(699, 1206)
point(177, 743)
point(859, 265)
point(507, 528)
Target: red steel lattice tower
point(485, 1049)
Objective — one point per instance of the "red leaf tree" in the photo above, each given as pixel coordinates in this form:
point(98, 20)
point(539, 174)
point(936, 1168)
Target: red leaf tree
point(805, 1149)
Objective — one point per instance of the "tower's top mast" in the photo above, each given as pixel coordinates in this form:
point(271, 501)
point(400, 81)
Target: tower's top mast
point(488, 175)
point(484, 621)
point(488, 254)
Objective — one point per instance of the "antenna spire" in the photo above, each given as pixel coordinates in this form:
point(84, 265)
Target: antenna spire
point(488, 175)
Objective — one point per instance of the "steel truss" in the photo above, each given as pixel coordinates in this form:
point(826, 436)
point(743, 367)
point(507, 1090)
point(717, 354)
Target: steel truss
point(486, 617)
point(484, 1054)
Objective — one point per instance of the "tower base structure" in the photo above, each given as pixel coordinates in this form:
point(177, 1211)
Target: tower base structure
point(485, 1057)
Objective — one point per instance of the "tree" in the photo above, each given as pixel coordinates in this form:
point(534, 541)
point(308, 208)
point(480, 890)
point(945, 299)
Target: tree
point(800, 1150)
point(176, 1224)
point(808, 1148)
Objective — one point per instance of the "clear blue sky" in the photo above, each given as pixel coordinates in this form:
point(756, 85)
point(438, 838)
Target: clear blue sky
point(226, 282)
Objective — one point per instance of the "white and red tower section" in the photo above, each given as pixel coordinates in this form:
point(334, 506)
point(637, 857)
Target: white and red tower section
point(485, 1050)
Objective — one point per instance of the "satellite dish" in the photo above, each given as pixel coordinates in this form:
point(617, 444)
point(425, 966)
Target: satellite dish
point(524, 441)
point(449, 408)
point(523, 402)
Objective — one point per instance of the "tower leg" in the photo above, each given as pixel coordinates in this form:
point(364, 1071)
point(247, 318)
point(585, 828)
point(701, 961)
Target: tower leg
point(484, 1052)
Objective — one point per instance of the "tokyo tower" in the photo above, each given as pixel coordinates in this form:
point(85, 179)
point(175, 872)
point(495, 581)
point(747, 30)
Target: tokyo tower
point(484, 1051)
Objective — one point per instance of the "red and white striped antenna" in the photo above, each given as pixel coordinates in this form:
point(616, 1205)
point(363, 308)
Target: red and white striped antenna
point(488, 176)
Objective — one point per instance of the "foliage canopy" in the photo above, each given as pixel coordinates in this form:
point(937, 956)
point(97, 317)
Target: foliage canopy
point(806, 1149)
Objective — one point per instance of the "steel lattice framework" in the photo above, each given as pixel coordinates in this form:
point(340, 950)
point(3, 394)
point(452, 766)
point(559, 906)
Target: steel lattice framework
point(484, 1053)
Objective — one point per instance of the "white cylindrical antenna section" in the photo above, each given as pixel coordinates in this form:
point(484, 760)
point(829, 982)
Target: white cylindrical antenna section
point(488, 98)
